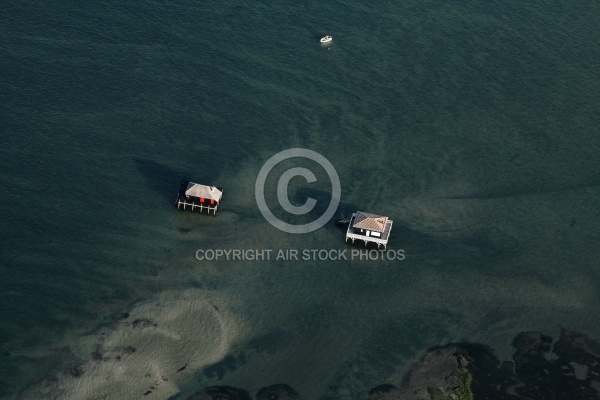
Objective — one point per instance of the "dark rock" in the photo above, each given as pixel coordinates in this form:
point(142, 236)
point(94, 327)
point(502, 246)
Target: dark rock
point(467, 371)
point(577, 347)
point(221, 393)
point(70, 364)
point(277, 392)
point(440, 374)
point(76, 370)
point(382, 389)
point(471, 371)
point(539, 374)
point(531, 349)
point(490, 378)
point(142, 323)
point(97, 354)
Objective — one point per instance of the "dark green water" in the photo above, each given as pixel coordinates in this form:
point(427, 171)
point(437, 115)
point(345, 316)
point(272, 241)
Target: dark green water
point(473, 125)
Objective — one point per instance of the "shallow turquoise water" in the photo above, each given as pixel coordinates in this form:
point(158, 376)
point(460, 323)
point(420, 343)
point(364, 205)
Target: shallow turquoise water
point(474, 126)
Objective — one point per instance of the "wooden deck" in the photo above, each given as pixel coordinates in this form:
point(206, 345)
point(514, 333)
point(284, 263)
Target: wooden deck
point(200, 207)
point(382, 241)
point(192, 203)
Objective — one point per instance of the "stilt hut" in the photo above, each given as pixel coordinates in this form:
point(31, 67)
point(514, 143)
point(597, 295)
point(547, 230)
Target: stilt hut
point(369, 228)
point(201, 197)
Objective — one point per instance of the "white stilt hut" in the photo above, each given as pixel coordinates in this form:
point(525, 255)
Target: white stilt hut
point(197, 196)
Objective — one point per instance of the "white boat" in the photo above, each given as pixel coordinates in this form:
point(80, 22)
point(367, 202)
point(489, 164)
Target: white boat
point(326, 39)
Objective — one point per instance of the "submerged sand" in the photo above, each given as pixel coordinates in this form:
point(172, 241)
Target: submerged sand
point(148, 353)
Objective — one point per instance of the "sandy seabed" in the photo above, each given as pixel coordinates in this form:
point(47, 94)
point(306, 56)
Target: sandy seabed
point(157, 345)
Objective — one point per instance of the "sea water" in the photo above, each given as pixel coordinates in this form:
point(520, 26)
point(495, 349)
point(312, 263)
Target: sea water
point(472, 125)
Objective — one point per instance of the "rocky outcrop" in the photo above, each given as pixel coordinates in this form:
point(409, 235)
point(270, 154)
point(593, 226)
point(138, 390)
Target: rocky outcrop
point(567, 369)
point(277, 392)
point(441, 374)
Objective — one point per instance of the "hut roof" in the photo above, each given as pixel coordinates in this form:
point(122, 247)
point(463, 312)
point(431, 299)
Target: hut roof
point(369, 222)
point(198, 190)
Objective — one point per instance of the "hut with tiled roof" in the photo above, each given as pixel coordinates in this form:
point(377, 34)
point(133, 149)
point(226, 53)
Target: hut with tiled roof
point(369, 228)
